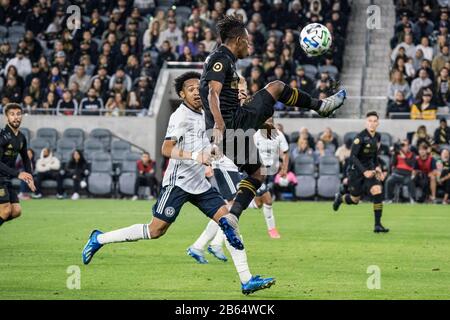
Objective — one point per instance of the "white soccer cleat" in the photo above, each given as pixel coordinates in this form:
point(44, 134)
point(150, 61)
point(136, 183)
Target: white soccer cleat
point(332, 103)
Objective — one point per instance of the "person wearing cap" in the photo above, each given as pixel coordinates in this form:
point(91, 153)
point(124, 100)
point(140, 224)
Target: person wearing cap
point(423, 81)
point(37, 20)
point(121, 77)
point(423, 27)
point(425, 110)
point(304, 82)
point(442, 134)
point(172, 34)
point(21, 63)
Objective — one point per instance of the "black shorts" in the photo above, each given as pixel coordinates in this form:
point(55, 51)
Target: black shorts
point(7, 193)
point(172, 198)
point(238, 143)
point(359, 185)
point(227, 182)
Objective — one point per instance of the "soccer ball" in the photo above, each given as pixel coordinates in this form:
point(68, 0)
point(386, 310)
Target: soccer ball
point(315, 39)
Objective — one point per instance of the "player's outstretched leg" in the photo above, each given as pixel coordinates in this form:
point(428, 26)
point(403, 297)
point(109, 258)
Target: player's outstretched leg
point(97, 239)
point(215, 247)
point(249, 283)
point(377, 198)
point(348, 199)
point(296, 98)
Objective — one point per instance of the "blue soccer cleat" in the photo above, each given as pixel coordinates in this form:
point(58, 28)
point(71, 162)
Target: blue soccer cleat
point(257, 283)
point(217, 252)
point(91, 247)
point(332, 103)
point(229, 226)
point(197, 255)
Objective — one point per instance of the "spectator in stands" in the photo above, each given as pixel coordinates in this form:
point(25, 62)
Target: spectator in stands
point(237, 11)
point(421, 136)
point(343, 153)
point(166, 54)
point(304, 82)
point(407, 45)
point(425, 173)
point(425, 110)
point(322, 87)
point(301, 149)
point(423, 81)
point(67, 105)
point(443, 90)
point(134, 103)
point(444, 178)
point(21, 63)
point(398, 83)
point(81, 78)
point(91, 105)
point(47, 168)
point(186, 56)
point(122, 78)
point(50, 103)
point(442, 134)
point(74, 88)
point(403, 162)
point(37, 21)
point(172, 34)
point(329, 139)
point(146, 176)
point(399, 105)
point(132, 67)
point(116, 105)
point(209, 40)
point(423, 28)
point(12, 91)
point(151, 37)
point(320, 151)
point(76, 170)
point(440, 60)
point(424, 46)
point(304, 134)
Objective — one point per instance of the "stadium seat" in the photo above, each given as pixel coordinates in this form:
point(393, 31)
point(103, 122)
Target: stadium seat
point(49, 134)
point(104, 135)
point(386, 139)
point(306, 187)
point(184, 12)
point(304, 165)
point(100, 181)
point(387, 161)
point(328, 186)
point(119, 149)
point(27, 133)
point(332, 71)
point(350, 135)
point(3, 32)
point(92, 146)
point(310, 70)
point(16, 30)
point(76, 135)
point(65, 147)
point(329, 166)
point(37, 144)
point(127, 179)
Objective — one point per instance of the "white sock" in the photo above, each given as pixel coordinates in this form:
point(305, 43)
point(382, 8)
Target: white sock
point(253, 205)
point(268, 215)
point(206, 236)
point(218, 239)
point(240, 262)
point(133, 233)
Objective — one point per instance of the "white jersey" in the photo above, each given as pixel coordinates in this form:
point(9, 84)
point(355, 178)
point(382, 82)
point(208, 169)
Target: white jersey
point(224, 163)
point(269, 150)
point(187, 128)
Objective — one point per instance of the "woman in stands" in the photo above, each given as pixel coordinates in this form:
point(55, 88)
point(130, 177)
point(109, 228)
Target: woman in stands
point(77, 170)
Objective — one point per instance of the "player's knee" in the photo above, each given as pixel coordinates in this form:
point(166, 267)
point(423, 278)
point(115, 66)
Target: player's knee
point(375, 190)
point(355, 199)
point(6, 211)
point(16, 212)
point(275, 87)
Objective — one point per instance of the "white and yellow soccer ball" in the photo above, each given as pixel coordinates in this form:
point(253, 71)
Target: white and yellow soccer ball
point(315, 39)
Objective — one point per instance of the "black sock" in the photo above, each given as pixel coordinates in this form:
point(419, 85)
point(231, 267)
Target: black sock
point(347, 199)
point(245, 195)
point(297, 98)
point(1, 221)
point(378, 208)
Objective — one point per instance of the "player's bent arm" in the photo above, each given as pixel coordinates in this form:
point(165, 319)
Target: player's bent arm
point(169, 150)
point(356, 146)
point(215, 88)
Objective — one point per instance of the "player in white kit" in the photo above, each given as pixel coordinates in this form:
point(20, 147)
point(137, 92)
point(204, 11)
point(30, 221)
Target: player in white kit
point(187, 146)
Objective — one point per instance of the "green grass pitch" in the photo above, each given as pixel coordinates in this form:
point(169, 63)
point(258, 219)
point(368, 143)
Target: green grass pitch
point(321, 255)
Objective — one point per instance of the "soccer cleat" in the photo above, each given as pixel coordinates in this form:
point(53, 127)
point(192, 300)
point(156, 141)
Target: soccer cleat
point(257, 283)
point(332, 103)
point(91, 247)
point(217, 252)
point(337, 201)
point(274, 234)
point(229, 226)
point(197, 255)
point(380, 229)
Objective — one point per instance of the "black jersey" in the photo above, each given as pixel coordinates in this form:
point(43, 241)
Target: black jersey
point(220, 66)
point(11, 146)
point(364, 152)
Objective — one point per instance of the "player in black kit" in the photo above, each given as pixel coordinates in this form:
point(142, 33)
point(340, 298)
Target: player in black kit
point(365, 174)
point(219, 93)
point(12, 143)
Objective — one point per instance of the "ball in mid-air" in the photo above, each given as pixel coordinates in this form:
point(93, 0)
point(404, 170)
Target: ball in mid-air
point(315, 39)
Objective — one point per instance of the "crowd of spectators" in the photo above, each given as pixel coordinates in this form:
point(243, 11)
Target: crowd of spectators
point(420, 60)
point(110, 64)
